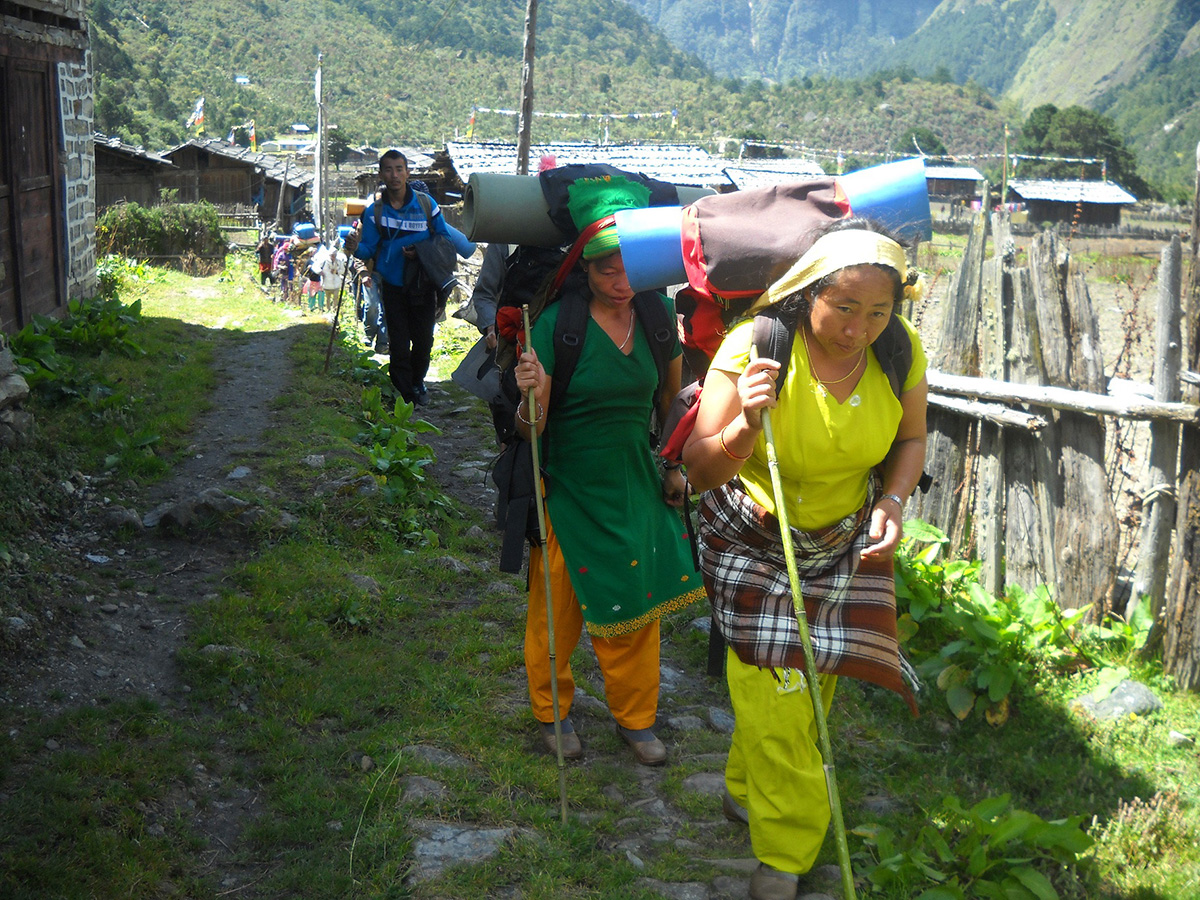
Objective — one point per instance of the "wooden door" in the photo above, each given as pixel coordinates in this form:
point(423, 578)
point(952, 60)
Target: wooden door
point(29, 199)
point(8, 268)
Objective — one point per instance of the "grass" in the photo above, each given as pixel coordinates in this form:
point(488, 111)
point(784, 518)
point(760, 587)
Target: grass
point(322, 672)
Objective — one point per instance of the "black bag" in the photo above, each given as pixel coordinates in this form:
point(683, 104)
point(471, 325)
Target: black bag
point(516, 514)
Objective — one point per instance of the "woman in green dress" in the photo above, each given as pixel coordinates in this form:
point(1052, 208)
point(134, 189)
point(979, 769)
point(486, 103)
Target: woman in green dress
point(617, 548)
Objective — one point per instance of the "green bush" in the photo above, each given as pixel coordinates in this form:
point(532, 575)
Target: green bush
point(169, 230)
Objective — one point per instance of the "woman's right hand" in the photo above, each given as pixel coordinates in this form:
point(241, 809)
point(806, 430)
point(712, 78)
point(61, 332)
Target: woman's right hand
point(756, 389)
point(529, 372)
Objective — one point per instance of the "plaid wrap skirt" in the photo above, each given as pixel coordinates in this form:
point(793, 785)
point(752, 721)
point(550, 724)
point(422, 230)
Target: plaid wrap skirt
point(850, 603)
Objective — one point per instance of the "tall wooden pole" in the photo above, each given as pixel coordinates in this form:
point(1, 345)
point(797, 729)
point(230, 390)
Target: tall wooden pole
point(1181, 614)
point(525, 122)
point(318, 154)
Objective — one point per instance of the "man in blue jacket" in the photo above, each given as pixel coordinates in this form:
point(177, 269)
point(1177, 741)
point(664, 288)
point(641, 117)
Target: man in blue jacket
point(409, 298)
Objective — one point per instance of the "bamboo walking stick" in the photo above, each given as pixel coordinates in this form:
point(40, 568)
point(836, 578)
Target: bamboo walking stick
point(810, 664)
point(337, 313)
point(531, 405)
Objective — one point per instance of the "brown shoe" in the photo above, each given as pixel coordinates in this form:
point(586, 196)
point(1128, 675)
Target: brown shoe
point(571, 748)
point(648, 749)
point(770, 884)
point(733, 810)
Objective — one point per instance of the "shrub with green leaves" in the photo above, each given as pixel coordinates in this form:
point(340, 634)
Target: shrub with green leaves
point(90, 327)
point(975, 647)
point(168, 230)
point(398, 459)
point(990, 851)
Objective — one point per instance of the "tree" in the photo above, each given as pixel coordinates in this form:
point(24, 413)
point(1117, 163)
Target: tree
point(1079, 133)
point(921, 140)
point(341, 141)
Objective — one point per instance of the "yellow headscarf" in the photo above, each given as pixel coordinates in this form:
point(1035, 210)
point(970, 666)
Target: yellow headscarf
point(830, 253)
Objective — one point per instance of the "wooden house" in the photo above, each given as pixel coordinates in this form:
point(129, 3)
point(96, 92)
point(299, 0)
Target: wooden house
point(1094, 203)
point(953, 184)
point(227, 175)
point(47, 207)
point(128, 174)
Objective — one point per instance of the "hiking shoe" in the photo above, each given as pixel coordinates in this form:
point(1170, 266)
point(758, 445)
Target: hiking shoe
point(420, 395)
point(733, 810)
point(571, 748)
point(770, 884)
point(648, 749)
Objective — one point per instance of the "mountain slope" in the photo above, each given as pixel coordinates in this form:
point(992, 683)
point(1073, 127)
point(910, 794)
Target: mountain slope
point(410, 72)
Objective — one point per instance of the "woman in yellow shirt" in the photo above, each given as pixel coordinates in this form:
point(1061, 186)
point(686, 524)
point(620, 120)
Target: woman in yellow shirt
point(851, 448)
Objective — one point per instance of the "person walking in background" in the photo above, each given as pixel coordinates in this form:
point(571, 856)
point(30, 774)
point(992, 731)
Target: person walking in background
point(390, 226)
point(266, 260)
point(850, 446)
point(333, 270)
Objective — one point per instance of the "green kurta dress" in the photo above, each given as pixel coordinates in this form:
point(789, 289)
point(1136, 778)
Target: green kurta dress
point(626, 551)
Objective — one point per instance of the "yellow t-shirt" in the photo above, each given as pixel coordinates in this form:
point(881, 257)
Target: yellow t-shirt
point(825, 449)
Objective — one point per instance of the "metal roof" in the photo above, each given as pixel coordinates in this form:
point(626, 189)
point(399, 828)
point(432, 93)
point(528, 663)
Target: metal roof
point(119, 146)
point(674, 163)
point(272, 166)
point(754, 173)
point(1071, 191)
point(952, 173)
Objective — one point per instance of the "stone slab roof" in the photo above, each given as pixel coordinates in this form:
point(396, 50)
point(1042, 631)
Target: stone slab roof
point(1108, 192)
point(298, 176)
point(675, 163)
point(953, 173)
point(755, 173)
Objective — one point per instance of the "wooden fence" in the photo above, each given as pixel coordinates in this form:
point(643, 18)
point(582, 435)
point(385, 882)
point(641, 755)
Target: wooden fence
point(1017, 424)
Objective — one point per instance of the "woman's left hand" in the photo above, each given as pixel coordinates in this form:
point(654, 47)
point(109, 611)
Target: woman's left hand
point(886, 529)
point(673, 486)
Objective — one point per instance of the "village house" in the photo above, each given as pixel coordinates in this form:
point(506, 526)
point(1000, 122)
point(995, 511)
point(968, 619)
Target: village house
point(1088, 203)
point(47, 205)
point(228, 175)
point(128, 174)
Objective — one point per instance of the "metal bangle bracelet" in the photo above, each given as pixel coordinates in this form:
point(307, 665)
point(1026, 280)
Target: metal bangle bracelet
point(896, 497)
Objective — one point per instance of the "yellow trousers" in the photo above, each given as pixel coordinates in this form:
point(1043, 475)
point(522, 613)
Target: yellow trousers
point(629, 662)
point(774, 768)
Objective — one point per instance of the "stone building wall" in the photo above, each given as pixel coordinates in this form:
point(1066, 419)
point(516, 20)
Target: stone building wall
point(79, 183)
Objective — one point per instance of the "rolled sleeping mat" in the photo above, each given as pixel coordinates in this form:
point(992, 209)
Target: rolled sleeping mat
point(650, 246)
point(511, 209)
point(895, 194)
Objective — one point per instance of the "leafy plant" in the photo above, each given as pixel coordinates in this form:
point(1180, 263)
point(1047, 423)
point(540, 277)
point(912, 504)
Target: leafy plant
point(977, 648)
point(990, 643)
point(398, 459)
point(169, 230)
point(991, 851)
point(134, 452)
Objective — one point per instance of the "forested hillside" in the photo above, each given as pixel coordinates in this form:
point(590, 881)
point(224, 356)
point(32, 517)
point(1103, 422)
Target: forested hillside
point(411, 71)
point(1134, 62)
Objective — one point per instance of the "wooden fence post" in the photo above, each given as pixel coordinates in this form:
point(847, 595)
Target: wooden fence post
point(1150, 576)
point(947, 505)
point(1181, 643)
point(988, 519)
point(1030, 557)
point(1085, 521)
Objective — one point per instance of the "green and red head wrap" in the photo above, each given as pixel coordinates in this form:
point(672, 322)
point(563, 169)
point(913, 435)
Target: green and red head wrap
point(591, 199)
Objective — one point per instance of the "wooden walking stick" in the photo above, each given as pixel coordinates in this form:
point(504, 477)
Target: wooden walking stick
point(810, 664)
point(337, 313)
point(531, 405)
